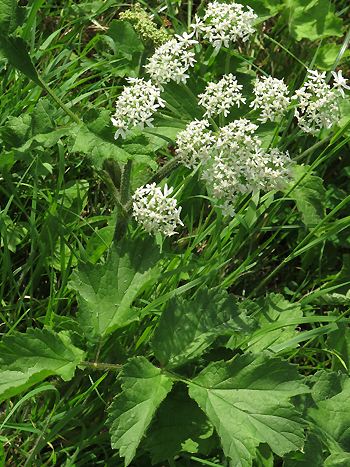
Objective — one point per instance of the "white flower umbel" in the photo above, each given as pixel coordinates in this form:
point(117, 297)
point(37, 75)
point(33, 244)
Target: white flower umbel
point(220, 97)
point(317, 103)
point(136, 105)
point(271, 98)
point(194, 143)
point(239, 165)
point(172, 60)
point(224, 23)
point(156, 210)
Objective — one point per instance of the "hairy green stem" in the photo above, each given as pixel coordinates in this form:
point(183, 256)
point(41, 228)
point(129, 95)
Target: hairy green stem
point(102, 366)
point(125, 183)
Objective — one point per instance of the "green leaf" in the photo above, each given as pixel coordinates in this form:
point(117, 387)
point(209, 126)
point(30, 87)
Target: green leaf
point(14, 49)
point(274, 309)
point(179, 426)
point(125, 39)
point(312, 20)
point(309, 196)
point(327, 55)
point(144, 387)
point(96, 140)
point(264, 8)
point(107, 291)
point(11, 16)
point(248, 402)
point(96, 148)
point(27, 358)
point(332, 418)
point(312, 454)
point(339, 459)
point(340, 342)
point(188, 327)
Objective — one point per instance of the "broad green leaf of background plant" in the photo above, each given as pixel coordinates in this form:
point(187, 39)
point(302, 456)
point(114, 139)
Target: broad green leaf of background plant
point(96, 140)
point(312, 19)
point(332, 418)
point(275, 310)
point(309, 196)
point(248, 402)
point(125, 38)
point(144, 387)
point(107, 291)
point(264, 8)
point(312, 454)
point(14, 49)
point(11, 16)
point(179, 426)
point(188, 327)
point(338, 459)
point(27, 358)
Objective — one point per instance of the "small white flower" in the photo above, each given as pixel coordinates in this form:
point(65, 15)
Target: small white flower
point(340, 82)
point(193, 143)
point(156, 210)
point(221, 96)
point(172, 60)
point(224, 23)
point(317, 103)
point(136, 105)
point(271, 97)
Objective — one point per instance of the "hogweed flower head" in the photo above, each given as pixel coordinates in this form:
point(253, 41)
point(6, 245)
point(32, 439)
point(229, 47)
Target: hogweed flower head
point(194, 143)
point(224, 23)
point(156, 210)
point(172, 60)
point(221, 96)
point(271, 98)
point(317, 103)
point(136, 105)
point(239, 165)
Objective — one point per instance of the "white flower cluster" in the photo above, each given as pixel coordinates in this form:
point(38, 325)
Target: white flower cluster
point(194, 143)
point(271, 97)
point(224, 23)
point(172, 60)
point(235, 163)
point(156, 210)
point(221, 96)
point(317, 103)
point(136, 105)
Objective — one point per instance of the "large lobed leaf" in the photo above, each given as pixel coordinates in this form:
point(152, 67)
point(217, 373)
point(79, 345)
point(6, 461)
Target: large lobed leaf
point(312, 19)
point(274, 311)
point(188, 327)
point(143, 389)
point(107, 291)
point(179, 426)
point(309, 196)
point(27, 358)
point(248, 402)
point(332, 418)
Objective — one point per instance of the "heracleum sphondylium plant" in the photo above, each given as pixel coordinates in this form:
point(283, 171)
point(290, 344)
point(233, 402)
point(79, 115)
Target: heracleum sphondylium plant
point(196, 367)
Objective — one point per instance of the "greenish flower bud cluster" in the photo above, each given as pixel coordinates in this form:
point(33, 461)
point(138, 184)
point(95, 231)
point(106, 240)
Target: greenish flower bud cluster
point(144, 25)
